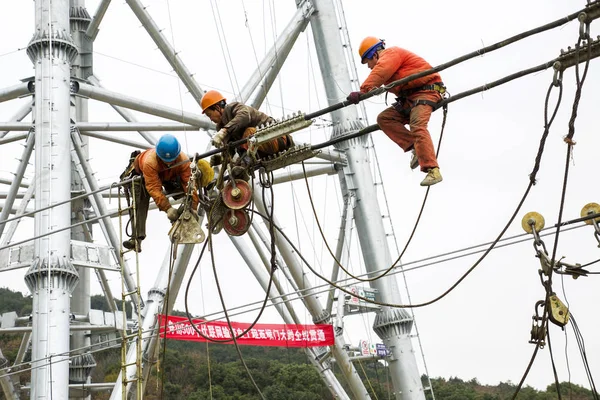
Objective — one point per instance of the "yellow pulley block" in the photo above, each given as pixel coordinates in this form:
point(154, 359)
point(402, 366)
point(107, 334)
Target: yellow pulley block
point(533, 220)
point(559, 313)
point(591, 208)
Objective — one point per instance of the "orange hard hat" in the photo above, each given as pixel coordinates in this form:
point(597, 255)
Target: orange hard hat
point(368, 47)
point(210, 98)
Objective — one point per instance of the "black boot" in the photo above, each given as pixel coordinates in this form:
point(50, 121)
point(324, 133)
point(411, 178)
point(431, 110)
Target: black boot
point(133, 244)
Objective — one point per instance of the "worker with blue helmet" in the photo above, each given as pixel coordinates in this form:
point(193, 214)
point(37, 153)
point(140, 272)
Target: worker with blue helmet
point(164, 166)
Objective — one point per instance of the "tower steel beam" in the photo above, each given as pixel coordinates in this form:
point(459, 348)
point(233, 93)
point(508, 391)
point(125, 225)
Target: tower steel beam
point(82, 361)
point(94, 26)
point(125, 113)
point(154, 306)
point(51, 278)
point(319, 314)
point(116, 139)
point(16, 183)
point(288, 317)
point(341, 252)
point(6, 381)
point(13, 92)
point(15, 126)
point(260, 82)
point(393, 326)
point(289, 176)
point(260, 274)
point(13, 138)
point(165, 47)
point(91, 185)
point(133, 126)
point(132, 103)
point(19, 116)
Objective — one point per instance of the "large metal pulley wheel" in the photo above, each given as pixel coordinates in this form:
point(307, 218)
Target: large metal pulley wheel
point(533, 220)
point(238, 196)
point(589, 209)
point(236, 222)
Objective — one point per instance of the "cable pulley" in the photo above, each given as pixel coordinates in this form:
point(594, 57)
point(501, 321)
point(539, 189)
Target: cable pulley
point(236, 222)
point(236, 194)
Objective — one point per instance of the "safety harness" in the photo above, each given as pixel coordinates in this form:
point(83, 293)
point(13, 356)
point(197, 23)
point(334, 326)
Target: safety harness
point(402, 99)
point(129, 173)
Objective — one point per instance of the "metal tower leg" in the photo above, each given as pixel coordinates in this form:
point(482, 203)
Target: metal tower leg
point(261, 276)
point(392, 325)
point(52, 277)
point(83, 362)
point(153, 307)
point(313, 305)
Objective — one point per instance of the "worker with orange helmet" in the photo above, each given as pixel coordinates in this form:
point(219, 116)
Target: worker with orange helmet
point(416, 101)
point(236, 121)
point(163, 166)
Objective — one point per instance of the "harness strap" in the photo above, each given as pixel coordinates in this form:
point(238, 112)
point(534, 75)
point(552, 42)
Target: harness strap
point(437, 86)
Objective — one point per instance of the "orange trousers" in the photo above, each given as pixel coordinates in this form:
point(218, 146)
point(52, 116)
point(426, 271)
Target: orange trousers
point(392, 123)
point(272, 147)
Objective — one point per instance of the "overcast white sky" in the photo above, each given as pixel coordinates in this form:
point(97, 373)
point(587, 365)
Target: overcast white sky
point(481, 329)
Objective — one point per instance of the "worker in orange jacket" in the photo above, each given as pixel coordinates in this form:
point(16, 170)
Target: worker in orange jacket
point(416, 101)
point(164, 166)
point(236, 121)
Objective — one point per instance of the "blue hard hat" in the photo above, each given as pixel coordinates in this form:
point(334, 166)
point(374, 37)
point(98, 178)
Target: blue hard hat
point(168, 148)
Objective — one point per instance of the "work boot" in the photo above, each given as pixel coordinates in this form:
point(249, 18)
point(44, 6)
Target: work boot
point(433, 176)
point(133, 244)
point(414, 161)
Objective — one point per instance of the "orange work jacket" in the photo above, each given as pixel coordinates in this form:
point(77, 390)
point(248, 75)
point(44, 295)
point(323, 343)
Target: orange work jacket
point(395, 63)
point(155, 172)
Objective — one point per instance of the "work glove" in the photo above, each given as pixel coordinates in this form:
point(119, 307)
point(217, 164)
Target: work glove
point(219, 139)
point(216, 159)
point(172, 214)
point(353, 97)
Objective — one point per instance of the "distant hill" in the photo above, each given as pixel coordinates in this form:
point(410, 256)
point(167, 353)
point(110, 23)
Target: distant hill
point(197, 371)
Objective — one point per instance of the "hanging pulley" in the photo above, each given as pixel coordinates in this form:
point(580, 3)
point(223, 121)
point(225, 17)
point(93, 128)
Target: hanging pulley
point(558, 313)
point(590, 209)
point(187, 229)
point(236, 194)
point(533, 221)
point(236, 222)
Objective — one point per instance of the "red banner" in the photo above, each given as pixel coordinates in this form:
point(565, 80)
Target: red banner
point(179, 328)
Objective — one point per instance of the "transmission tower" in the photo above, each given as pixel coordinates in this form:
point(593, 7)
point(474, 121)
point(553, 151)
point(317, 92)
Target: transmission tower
point(68, 200)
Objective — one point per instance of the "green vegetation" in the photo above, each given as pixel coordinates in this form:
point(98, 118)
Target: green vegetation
point(198, 371)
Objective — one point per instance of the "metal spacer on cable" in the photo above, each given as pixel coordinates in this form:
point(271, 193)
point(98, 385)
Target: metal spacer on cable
point(584, 26)
point(557, 78)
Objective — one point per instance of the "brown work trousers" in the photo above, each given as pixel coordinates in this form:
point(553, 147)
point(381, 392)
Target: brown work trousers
point(392, 122)
point(140, 195)
point(271, 147)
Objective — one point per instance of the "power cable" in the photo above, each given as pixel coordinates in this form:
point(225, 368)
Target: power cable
point(569, 141)
point(325, 287)
point(391, 267)
point(458, 60)
point(581, 345)
point(556, 381)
